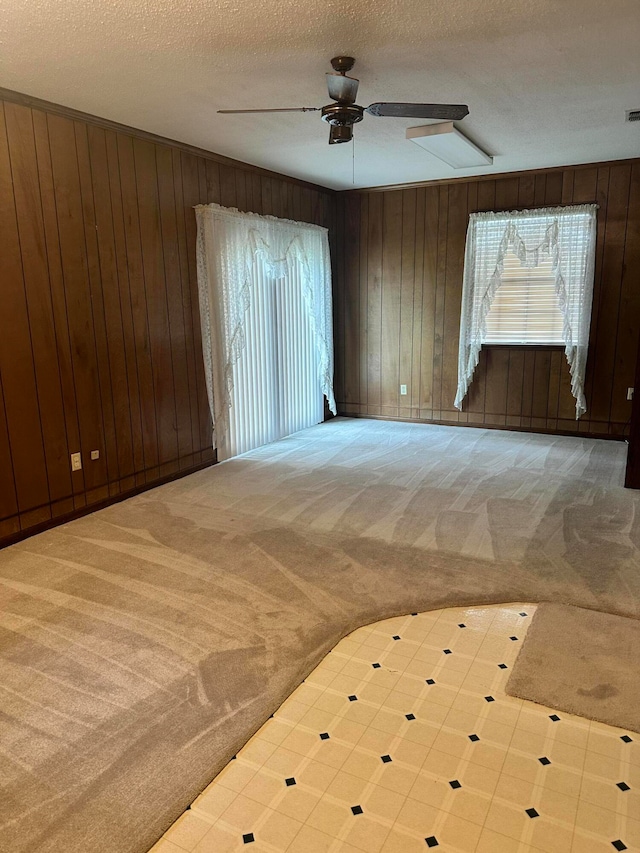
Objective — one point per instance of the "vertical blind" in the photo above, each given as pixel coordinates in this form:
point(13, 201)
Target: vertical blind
point(276, 390)
point(264, 287)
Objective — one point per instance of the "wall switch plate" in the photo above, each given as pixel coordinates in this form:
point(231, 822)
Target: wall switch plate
point(629, 393)
point(95, 454)
point(76, 461)
point(403, 390)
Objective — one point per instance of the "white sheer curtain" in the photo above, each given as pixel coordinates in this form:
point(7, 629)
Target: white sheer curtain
point(265, 308)
point(566, 235)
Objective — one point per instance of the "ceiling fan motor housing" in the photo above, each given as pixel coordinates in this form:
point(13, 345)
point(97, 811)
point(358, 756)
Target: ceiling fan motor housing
point(343, 115)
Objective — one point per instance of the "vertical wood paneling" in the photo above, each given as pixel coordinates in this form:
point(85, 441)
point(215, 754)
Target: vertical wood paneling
point(423, 245)
point(132, 402)
point(109, 290)
point(609, 299)
point(100, 345)
point(456, 231)
point(418, 278)
point(374, 303)
point(391, 296)
point(350, 312)
point(429, 289)
point(339, 300)
point(175, 315)
point(157, 307)
point(16, 353)
point(184, 281)
point(30, 223)
point(138, 299)
point(629, 306)
point(78, 294)
point(8, 496)
point(407, 294)
point(363, 307)
point(441, 282)
point(191, 197)
point(58, 301)
point(108, 473)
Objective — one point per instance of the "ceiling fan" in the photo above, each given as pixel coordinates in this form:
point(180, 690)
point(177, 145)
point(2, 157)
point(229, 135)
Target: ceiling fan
point(344, 113)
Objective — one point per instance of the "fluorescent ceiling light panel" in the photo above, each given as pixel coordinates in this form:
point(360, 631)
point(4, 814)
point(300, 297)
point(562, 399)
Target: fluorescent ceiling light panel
point(447, 143)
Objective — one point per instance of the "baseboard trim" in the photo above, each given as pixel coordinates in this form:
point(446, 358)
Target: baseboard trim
point(538, 430)
point(87, 510)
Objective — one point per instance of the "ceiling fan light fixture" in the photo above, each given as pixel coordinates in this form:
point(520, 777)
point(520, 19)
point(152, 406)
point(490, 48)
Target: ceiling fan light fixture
point(447, 143)
point(340, 133)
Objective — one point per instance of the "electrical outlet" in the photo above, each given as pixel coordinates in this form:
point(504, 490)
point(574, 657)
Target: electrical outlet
point(95, 454)
point(403, 390)
point(629, 393)
point(76, 461)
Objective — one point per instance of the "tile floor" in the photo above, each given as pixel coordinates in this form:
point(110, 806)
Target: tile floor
point(403, 739)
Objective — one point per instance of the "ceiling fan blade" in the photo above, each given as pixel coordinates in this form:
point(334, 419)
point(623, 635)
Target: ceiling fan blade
point(447, 112)
point(285, 110)
point(342, 88)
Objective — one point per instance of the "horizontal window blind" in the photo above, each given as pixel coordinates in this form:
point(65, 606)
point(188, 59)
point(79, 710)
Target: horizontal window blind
point(525, 308)
point(528, 279)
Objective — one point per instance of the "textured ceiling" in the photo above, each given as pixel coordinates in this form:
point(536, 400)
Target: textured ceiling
point(547, 81)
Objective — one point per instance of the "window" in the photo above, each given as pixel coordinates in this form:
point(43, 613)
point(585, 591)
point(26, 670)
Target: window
point(528, 279)
point(525, 309)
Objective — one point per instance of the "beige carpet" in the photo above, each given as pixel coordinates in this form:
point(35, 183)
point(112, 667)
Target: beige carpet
point(142, 645)
point(582, 662)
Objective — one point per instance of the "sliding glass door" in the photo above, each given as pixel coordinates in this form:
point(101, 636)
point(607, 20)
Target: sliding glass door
point(276, 386)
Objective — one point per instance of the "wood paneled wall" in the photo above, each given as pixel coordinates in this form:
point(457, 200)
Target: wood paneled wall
point(398, 289)
point(99, 324)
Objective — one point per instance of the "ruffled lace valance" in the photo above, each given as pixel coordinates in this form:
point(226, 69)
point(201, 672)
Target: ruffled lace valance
point(228, 243)
point(566, 235)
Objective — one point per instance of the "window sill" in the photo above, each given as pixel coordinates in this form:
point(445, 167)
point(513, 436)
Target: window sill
point(525, 346)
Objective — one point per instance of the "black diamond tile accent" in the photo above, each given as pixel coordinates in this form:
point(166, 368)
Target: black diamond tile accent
point(474, 738)
point(396, 637)
point(385, 758)
point(524, 614)
point(290, 781)
point(626, 738)
point(544, 760)
point(356, 809)
point(248, 838)
point(502, 666)
point(375, 665)
point(623, 786)
point(324, 735)
point(447, 651)
point(554, 718)
point(489, 699)
point(432, 841)
point(455, 784)
point(619, 845)
point(513, 638)
point(462, 625)
point(532, 813)
point(430, 681)
point(410, 716)
point(353, 698)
